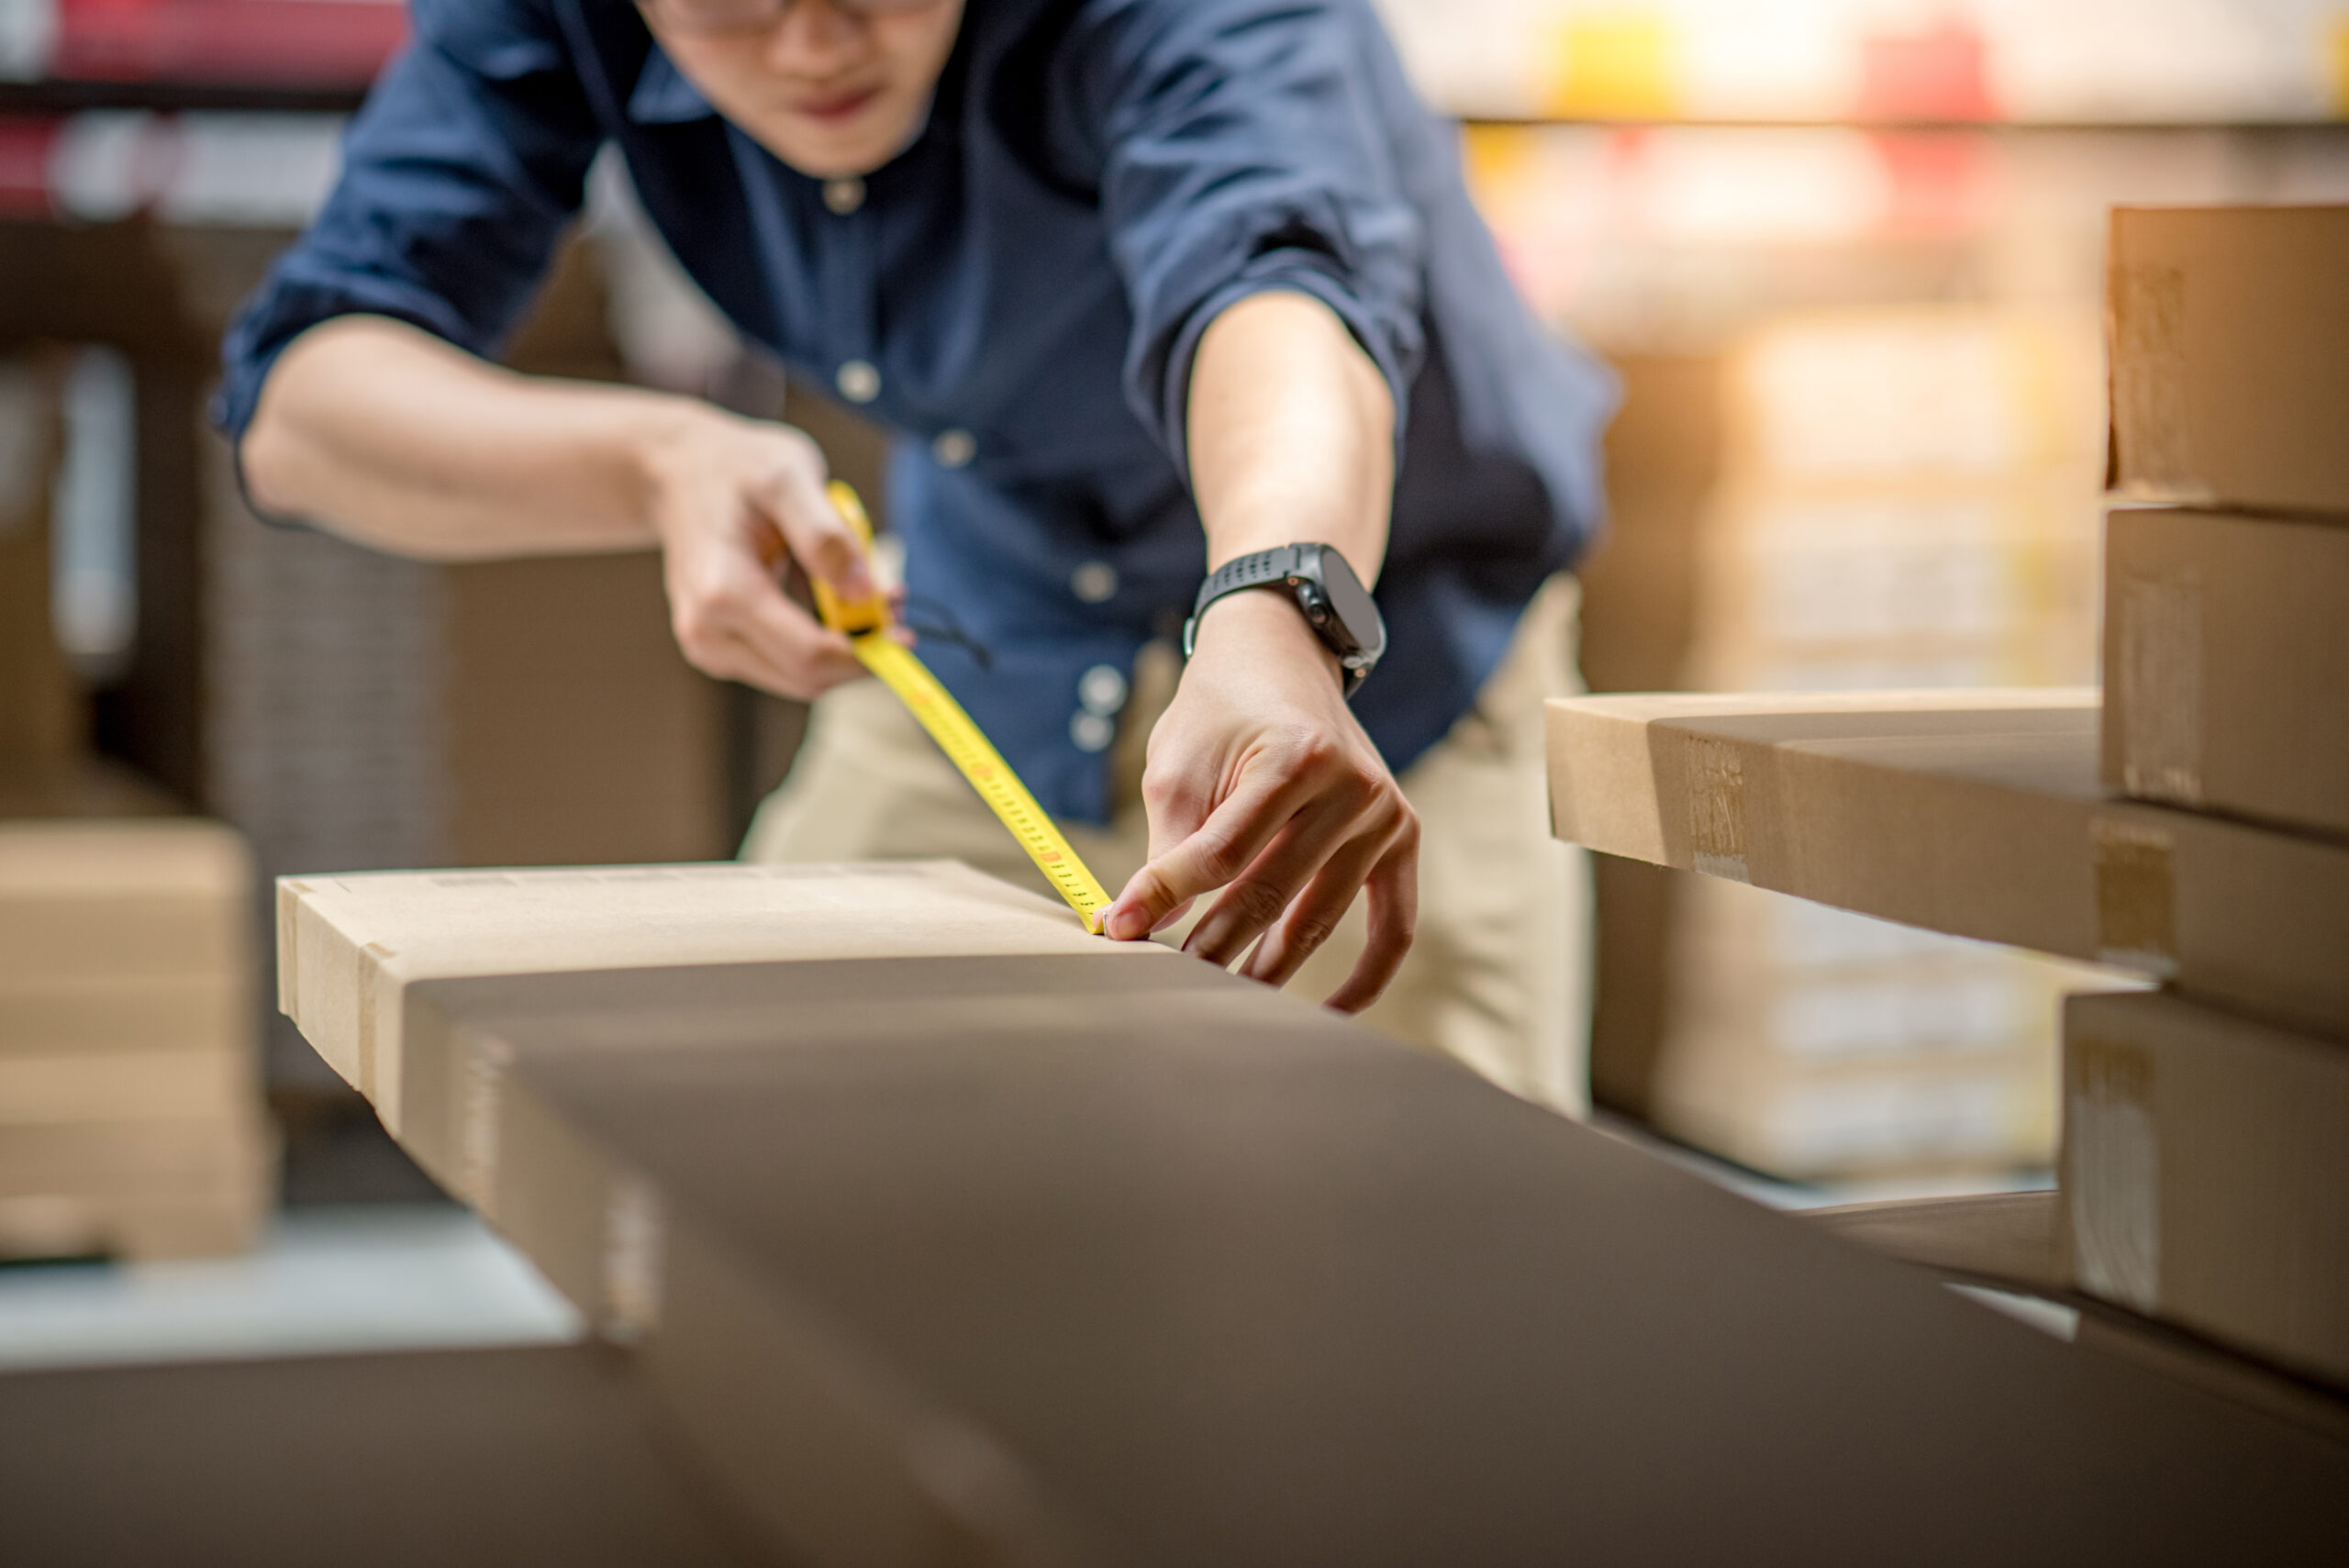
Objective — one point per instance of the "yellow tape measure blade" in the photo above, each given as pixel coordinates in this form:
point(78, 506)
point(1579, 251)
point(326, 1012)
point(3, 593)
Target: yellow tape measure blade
point(975, 758)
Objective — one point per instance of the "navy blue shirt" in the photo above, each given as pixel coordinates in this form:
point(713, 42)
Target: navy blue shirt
point(1018, 295)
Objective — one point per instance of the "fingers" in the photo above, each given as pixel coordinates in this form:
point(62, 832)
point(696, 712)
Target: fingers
point(1312, 917)
point(1213, 854)
point(733, 621)
point(819, 537)
point(1254, 899)
point(1392, 891)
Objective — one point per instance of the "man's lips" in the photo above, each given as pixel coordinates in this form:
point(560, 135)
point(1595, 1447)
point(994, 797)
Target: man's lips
point(836, 107)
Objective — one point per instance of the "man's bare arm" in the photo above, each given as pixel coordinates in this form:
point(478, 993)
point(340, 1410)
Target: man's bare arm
point(392, 438)
point(1260, 781)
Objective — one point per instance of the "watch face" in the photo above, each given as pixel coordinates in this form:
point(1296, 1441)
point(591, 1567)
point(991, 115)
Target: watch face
point(1355, 613)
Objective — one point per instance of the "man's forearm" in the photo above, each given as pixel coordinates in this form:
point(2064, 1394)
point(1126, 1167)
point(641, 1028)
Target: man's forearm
point(1291, 434)
point(385, 434)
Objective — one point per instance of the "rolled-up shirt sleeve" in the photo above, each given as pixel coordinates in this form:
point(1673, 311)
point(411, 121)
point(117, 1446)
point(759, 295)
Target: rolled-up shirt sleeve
point(1240, 152)
point(459, 175)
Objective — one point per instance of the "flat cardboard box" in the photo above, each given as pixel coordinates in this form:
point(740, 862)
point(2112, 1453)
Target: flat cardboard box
point(97, 900)
point(462, 1458)
point(350, 947)
point(1974, 812)
point(2227, 660)
point(1061, 1258)
point(2229, 336)
point(2205, 1175)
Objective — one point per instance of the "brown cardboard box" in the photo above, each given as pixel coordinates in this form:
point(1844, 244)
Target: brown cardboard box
point(2228, 335)
point(577, 733)
point(1067, 1257)
point(1974, 812)
point(93, 900)
point(1816, 1044)
point(463, 1459)
point(349, 948)
point(2227, 660)
point(1913, 585)
point(2205, 1175)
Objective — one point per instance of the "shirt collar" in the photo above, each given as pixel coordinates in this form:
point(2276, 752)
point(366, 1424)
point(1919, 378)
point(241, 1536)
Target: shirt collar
point(663, 96)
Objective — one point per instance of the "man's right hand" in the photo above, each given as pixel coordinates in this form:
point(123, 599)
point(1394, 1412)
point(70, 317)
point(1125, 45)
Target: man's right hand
point(391, 437)
point(735, 502)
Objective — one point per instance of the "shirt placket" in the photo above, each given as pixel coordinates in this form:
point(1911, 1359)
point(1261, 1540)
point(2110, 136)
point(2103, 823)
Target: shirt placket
point(848, 258)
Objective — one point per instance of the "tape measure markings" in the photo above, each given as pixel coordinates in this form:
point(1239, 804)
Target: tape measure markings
point(977, 759)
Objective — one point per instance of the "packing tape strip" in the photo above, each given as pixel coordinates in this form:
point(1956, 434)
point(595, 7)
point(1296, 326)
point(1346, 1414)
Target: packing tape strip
point(1717, 810)
point(2112, 1172)
point(2159, 675)
point(2136, 903)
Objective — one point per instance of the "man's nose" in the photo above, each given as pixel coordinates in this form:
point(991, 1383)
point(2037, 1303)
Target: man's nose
point(814, 36)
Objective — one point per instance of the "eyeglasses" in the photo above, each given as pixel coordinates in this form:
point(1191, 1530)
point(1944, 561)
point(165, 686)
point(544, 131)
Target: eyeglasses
point(712, 19)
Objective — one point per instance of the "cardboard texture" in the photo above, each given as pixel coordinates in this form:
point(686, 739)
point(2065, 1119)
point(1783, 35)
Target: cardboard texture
point(129, 1159)
point(125, 1087)
point(1815, 1044)
point(2229, 338)
point(129, 1102)
point(86, 901)
point(1065, 1258)
point(575, 730)
point(467, 1459)
point(2227, 684)
point(350, 947)
point(2205, 1175)
point(1973, 813)
point(199, 1013)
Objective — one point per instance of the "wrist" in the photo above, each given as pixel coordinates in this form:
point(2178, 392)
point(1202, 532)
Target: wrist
point(1264, 623)
point(666, 446)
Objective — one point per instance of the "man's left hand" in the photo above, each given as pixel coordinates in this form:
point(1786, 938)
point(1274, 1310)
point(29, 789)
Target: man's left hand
point(1260, 782)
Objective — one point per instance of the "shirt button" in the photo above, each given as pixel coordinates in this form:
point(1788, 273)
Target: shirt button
point(1102, 689)
point(1095, 583)
point(844, 196)
point(954, 449)
point(1092, 732)
point(858, 381)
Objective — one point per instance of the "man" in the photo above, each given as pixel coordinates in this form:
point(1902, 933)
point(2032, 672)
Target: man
point(1145, 287)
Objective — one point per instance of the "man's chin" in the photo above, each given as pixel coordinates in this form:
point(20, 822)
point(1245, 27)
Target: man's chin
point(835, 152)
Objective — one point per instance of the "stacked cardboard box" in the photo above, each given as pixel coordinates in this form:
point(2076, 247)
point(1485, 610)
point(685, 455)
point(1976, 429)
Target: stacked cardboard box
point(130, 1111)
point(2203, 1162)
point(129, 1118)
point(1907, 501)
point(1813, 1043)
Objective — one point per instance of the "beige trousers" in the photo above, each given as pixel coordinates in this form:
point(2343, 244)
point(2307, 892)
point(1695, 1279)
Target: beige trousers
point(1499, 974)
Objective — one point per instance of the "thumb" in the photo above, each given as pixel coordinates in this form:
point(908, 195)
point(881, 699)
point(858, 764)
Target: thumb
point(819, 537)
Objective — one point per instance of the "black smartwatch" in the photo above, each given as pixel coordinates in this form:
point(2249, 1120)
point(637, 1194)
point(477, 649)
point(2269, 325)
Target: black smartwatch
point(1336, 605)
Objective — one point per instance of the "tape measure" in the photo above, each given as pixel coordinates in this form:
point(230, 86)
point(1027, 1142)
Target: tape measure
point(967, 746)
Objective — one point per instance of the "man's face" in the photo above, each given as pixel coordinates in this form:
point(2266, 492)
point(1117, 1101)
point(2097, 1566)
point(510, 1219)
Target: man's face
point(832, 88)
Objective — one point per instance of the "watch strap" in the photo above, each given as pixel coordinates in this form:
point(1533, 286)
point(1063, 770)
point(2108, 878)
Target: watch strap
point(1275, 568)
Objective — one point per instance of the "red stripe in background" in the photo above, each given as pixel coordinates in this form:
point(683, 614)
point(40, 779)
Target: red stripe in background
point(25, 143)
point(308, 43)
